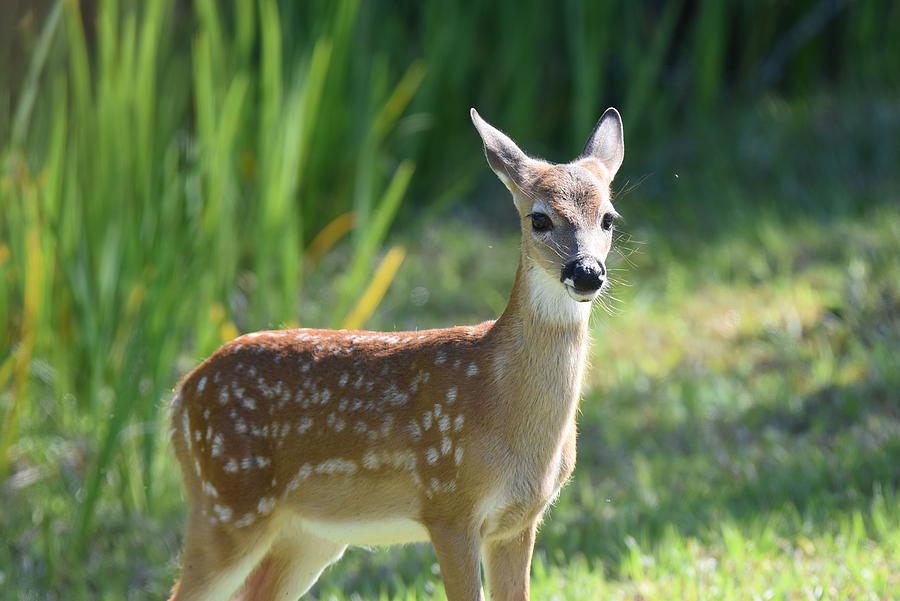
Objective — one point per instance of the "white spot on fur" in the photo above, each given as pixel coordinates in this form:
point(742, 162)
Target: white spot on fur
point(231, 466)
point(265, 505)
point(336, 466)
point(301, 475)
point(240, 426)
point(248, 519)
point(394, 396)
point(426, 421)
point(218, 445)
point(451, 395)
point(472, 370)
point(248, 403)
point(370, 460)
point(186, 428)
point(342, 381)
point(458, 423)
point(446, 445)
point(458, 455)
point(431, 455)
point(387, 425)
point(444, 423)
point(414, 430)
point(222, 512)
point(209, 489)
point(440, 358)
point(304, 425)
point(201, 384)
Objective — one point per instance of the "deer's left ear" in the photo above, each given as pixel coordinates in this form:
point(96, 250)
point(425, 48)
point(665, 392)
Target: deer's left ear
point(607, 142)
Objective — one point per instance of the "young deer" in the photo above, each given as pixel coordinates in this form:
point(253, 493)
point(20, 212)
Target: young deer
point(294, 444)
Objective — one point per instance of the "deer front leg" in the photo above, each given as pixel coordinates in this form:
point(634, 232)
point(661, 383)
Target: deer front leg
point(460, 560)
point(508, 566)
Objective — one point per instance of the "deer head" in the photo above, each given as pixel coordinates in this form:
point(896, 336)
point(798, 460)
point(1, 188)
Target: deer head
point(565, 209)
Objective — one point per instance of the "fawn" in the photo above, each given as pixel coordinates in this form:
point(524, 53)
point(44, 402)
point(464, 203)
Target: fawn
point(294, 444)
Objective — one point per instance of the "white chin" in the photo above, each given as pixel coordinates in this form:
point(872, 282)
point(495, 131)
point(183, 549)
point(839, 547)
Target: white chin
point(580, 296)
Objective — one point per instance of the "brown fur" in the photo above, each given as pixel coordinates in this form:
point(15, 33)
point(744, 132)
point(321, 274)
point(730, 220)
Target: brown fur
point(293, 442)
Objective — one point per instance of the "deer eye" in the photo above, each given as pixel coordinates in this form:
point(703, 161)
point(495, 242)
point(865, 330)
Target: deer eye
point(540, 222)
point(606, 221)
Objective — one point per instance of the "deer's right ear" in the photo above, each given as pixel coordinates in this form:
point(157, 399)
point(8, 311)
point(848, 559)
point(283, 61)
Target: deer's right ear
point(504, 157)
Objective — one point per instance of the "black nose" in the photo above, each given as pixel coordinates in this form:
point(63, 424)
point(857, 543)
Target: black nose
point(586, 274)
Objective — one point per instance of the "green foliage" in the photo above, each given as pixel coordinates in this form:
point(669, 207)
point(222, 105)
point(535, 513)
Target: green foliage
point(151, 202)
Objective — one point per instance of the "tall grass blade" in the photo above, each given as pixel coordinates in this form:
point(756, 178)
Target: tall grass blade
point(25, 105)
point(381, 281)
point(372, 236)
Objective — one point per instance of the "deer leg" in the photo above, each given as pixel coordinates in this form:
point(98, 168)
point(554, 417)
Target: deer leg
point(508, 566)
point(460, 560)
point(290, 568)
point(215, 562)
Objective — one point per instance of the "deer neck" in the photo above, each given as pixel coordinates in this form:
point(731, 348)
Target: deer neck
point(540, 354)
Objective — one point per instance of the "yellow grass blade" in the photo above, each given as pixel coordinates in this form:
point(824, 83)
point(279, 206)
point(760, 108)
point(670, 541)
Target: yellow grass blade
point(339, 227)
point(381, 281)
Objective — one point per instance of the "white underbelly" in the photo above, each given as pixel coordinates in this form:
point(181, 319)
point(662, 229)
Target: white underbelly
point(394, 531)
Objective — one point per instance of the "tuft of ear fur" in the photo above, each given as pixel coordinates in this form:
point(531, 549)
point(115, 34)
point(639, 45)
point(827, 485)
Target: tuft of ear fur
point(607, 142)
point(505, 158)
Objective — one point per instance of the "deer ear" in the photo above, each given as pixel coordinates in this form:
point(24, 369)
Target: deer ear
point(607, 142)
point(504, 157)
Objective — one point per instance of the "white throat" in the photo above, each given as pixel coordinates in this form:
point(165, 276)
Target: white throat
point(549, 300)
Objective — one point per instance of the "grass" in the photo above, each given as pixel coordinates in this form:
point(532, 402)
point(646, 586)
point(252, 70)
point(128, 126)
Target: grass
point(169, 178)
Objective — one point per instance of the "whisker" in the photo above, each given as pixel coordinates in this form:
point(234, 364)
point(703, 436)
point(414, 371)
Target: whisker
point(627, 188)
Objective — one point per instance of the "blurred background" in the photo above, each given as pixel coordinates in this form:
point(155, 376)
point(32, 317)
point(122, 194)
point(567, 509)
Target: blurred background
point(176, 172)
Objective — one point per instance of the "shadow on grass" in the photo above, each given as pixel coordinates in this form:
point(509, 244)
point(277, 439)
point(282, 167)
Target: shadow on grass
point(819, 160)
